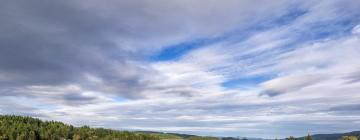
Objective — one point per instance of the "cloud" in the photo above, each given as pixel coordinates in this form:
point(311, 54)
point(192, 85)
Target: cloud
point(88, 63)
point(356, 29)
point(289, 83)
point(353, 77)
point(62, 47)
point(61, 43)
point(348, 108)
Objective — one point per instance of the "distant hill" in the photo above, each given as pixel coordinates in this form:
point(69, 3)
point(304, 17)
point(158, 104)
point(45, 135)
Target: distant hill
point(336, 136)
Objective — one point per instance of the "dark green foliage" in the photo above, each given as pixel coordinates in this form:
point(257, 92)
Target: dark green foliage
point(27, 128)
point(231, 138)
point(202, 138)
point(291, 138)
point(308, 137)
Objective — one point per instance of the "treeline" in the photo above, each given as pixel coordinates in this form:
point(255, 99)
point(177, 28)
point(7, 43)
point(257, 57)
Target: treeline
point(309, 137)
point(27, 128)
point(202, 138)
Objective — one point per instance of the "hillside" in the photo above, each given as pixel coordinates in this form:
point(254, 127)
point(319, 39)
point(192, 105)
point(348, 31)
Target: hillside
point(27, 128)
point(336, 136)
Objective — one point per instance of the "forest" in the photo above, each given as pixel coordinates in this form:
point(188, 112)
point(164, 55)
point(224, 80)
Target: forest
point(26, 128)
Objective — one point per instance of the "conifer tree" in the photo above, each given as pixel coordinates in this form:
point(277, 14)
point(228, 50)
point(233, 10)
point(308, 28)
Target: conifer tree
point(308, 137)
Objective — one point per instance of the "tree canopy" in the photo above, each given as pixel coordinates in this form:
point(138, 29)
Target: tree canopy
point(27, 128)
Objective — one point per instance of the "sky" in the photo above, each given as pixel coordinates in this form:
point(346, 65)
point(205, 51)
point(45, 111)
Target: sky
point(254, 68)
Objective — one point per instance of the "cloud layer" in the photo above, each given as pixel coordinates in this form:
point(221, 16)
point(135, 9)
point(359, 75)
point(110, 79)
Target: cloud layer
point(238, 68)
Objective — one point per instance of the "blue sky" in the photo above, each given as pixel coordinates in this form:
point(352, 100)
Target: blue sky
point(249, 68)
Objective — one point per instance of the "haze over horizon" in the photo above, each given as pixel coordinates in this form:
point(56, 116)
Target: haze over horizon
point(253, 68)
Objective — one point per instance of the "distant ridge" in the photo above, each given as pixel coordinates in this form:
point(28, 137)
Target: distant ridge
point(335, 136)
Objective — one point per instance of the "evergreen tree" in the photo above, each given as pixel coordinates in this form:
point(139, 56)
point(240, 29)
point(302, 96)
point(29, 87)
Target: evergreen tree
point(291, 138)
point(27, 128)
point(308, 137)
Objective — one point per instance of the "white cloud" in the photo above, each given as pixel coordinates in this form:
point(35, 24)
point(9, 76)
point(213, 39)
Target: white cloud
point(289, 83)
point(356, 29)
point(318, 73)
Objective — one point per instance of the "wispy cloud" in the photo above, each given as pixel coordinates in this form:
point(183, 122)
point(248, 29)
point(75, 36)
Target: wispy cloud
point(250, 68)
